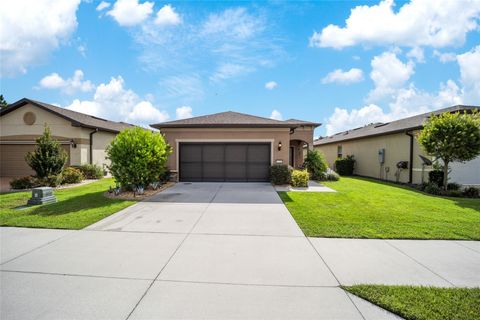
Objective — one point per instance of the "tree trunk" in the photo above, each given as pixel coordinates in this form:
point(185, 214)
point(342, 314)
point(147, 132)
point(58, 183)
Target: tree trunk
point(445, 174)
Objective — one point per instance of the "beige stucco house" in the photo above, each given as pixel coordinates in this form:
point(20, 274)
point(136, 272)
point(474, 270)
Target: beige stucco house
point(82, 136)
point(232, 146)
point(397, 141)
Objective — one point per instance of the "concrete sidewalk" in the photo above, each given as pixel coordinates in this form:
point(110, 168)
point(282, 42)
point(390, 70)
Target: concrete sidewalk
point(212, 251)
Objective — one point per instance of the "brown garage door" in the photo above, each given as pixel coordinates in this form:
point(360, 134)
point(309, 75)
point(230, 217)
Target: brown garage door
point(231, 162)
point(12, 159)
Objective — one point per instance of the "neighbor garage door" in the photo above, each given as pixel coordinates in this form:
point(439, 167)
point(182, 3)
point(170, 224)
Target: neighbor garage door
point(231, 162)
point(12, 159)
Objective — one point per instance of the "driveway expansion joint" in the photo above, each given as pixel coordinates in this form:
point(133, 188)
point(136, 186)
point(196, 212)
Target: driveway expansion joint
point(418, 262)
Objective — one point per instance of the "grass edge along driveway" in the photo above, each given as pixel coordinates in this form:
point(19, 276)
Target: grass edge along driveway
point(75, 208)
point(423, 303)
point(365, 208)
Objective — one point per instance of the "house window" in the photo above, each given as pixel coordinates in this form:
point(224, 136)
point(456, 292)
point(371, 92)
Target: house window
point(339, 151)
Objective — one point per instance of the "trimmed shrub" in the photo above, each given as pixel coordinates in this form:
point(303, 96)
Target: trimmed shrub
point(24, 183)
point(48, 159)
point(452, 186)
point(471, 192)
point(300, 178)
point(345, 166)
point(137, 156)
point(332, 176)
point(280, 174)
point(91, 171)
point(316, 164)
point(436, 177)
point(72, 175)
point(433, 188)
point(454, 193)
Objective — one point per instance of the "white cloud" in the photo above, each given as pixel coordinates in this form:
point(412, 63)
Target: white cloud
point(70, 85)
point(183, 112)
point(271, 85)
point(417, 23)
point(236, 23)
point(342, 119)
point(185, 87)
point(445, 56)
point(230, 70)
point(114, 102)
point(344, 77)
point(103, 5)
point(145, 113)
point(82, 49)
point(130, 12)
point(31, 30)
point(276, 115)
point(469, 63)
point(388, 75)
point(417, 54)
point(167, 16)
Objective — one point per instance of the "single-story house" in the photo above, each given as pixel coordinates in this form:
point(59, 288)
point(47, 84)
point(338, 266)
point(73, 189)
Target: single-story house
point(379, 147)
point(232, 146)
point(82, 136)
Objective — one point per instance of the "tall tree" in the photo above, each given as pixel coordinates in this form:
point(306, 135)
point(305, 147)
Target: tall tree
point(48, 159)
point(452, 137)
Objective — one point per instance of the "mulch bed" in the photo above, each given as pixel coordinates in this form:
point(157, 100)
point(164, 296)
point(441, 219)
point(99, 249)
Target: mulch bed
point(128, 195)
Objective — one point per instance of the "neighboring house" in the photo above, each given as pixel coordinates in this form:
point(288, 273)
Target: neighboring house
point(83, 137)
point(232, 146)
point(397, 140)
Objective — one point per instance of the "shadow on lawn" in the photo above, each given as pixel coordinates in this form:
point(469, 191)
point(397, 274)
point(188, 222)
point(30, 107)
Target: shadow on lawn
point(94, 200)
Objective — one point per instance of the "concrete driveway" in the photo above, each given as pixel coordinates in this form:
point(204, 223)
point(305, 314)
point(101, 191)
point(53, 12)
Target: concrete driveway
point(211, 251)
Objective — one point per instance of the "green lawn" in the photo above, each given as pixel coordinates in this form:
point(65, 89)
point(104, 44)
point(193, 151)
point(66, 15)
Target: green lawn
point(423, 303)
point(76, 208)
point(363, 208)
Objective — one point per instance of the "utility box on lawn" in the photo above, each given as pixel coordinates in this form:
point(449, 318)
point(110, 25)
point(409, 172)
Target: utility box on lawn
point(42, 195)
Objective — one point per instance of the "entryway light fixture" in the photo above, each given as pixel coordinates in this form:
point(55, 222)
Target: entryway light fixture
point(280, 146)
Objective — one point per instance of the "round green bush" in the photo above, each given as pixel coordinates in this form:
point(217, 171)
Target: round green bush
point(279, 174)
point(91, 171)
point(24, 183)
point(72, 175)
point(300, 178)
point(137, 157)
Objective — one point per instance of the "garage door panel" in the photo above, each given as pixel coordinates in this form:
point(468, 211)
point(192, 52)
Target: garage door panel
point(258, 153)
point(258, 172)
point(236, 153)
point(191, 153)
point(192, 172)
point(213, 153)
point(235, 172)
point(232, 162)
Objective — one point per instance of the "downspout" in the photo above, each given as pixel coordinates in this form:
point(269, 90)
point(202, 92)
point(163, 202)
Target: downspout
point(91, 145)
point(410, 167)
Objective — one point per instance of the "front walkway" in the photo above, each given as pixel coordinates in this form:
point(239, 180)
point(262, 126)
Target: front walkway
point(211, 251)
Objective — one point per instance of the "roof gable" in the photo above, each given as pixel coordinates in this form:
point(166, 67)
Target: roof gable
point(231, 119)
point(76, 118)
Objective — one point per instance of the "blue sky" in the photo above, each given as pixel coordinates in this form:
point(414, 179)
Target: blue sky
point(344, 64)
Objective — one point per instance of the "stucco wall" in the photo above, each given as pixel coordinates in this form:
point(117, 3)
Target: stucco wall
point(13, 128)
point(100, 142)
point(397, 148)
point(173, 136)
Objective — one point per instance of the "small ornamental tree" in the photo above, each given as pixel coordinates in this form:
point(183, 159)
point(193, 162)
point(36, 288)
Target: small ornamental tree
point(316, 164)
point(137, 156)
point(48, 159)
point(452, 137)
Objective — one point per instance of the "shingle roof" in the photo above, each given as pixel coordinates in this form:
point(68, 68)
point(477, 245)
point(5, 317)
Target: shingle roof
point(77, 118)
point(232, 119)
point(376, 129)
